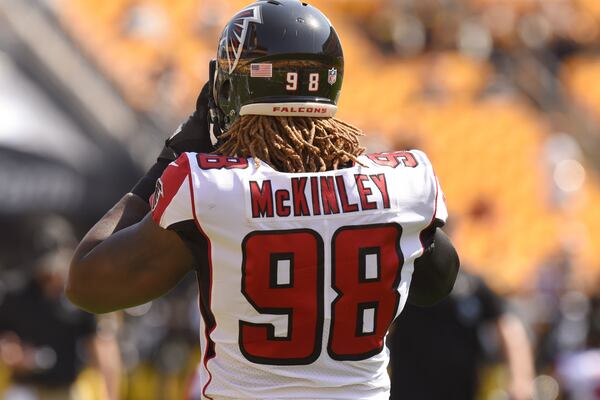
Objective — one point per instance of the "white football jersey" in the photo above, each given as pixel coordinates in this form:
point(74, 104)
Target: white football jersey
point(300, 274)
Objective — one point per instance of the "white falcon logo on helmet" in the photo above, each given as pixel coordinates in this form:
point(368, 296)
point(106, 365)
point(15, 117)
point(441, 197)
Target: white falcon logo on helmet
point(236, 34)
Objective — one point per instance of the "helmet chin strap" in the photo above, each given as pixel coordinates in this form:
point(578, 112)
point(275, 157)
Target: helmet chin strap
point(214, 140)
point(215, 115)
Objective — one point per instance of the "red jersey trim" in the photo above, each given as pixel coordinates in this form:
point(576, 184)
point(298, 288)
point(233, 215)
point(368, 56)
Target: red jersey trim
point(432, 222)
point(168, 185)
point(208, 329)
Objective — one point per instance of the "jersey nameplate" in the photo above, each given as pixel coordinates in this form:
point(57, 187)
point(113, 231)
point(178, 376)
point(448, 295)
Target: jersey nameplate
point(317, 196)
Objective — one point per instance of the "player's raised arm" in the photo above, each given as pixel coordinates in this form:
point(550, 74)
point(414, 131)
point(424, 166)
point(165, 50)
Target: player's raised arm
point(127, 259)
point(116, 268)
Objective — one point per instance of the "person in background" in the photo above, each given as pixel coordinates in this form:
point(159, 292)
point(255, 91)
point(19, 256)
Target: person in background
point(43, 336)
point(436, 351)
point(575, 341)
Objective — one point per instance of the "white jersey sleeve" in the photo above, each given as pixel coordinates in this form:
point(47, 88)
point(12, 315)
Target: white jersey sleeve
point(441, 212)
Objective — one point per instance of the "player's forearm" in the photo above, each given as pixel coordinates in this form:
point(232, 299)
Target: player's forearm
point(129, 267)
point(115, 274)
point(90, 269)
point(128, 211)
point(108, 360)
point(435, 272)
point(519, 355)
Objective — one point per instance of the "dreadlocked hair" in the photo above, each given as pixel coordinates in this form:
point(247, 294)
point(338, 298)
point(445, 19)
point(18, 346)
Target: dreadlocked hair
point(293, 144)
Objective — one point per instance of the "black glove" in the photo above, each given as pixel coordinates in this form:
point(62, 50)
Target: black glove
point(192, 136)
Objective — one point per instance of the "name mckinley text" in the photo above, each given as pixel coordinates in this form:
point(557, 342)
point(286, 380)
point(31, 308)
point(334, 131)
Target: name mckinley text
point(326, 195)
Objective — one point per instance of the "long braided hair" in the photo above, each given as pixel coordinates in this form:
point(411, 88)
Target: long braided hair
point(293, 144)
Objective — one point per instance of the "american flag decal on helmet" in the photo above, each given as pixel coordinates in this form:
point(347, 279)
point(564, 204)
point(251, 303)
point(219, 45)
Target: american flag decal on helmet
point(236, 34)
point(261, 70)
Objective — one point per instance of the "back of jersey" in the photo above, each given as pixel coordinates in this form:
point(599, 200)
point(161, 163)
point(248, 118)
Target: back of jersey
point(300, 275)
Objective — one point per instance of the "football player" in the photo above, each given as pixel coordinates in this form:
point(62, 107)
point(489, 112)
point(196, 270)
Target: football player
point(304, 249)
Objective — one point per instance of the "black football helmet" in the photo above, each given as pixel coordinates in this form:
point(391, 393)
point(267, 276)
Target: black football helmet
point(278, 58)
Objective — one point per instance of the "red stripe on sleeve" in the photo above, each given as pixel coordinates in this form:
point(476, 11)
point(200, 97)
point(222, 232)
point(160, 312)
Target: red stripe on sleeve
point(168, 185)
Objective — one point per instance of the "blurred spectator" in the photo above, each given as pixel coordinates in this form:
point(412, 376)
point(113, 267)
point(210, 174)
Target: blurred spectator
point(45, 340)
point(568, 324)
point(579, 371)
point(162, 337)
point(436, 352)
